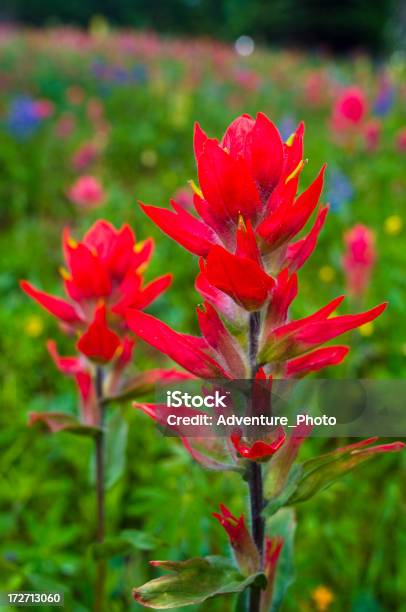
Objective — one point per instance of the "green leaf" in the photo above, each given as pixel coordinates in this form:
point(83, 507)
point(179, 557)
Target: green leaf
point(287, 492)
point(116, 444)
point(194, 581)
point(126, 543)
point(318, 473)
point(283, 524)
point(115, 449)
point(61, 421)
point(326, 474)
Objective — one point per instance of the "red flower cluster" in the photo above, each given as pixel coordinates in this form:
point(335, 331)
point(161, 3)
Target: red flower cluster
point(245, 233)
point(103, 277)
point(249, 215)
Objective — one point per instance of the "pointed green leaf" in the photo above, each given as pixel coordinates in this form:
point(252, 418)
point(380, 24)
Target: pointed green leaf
point(287, 492)
point(321, 472)
point(194, 581)
point(318, 473)
point(116, 444)
point(61, 421)
point(325, 475)
point(127, 542)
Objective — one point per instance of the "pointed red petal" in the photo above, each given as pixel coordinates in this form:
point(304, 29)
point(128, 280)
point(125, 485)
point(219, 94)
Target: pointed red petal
point(99, 342)
point(199, 140)
point(221, 341)
point(239, 277)
point(55, 305)
point(316, 360)
point(185, 350)
point(323, 331)
point(267, 154)
point(189, 232)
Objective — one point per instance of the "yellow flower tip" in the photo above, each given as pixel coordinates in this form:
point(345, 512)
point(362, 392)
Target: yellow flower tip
point(72, 243)
point(366, 330)
point(393, 225)
point(138, 246)
point(119, 352)
point(34, 326)
point(195, 188)
point(141, 269)
point(241, 223)
point(327, 274)
point(403, 348)
point(295, 172)
point(65, 274)
point(323, 598)
point(290, 140)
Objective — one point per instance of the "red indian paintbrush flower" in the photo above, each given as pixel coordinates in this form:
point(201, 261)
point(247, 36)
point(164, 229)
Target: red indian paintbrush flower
point(250, 175)
point(243, 546)
point(359, 258)
point(245, 234)
point(103, 277)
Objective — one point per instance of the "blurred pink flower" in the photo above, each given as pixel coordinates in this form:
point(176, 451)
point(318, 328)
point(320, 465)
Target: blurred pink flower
point(351, 106)
point(372, 134)
point(94, 110)
point(401, 140)
point(349, 111)
point(86, 192)
point(44, 108)
point(359, 258)
point(315, 87)
point(65, 125)
point(84, 156)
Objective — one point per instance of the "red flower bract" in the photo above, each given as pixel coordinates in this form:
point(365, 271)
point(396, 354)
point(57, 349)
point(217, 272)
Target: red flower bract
point(241, 541)
point(99, 342)
point(106, 265)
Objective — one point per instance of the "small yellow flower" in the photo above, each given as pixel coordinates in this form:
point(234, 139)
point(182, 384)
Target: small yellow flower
point(327, 274)
point(34, 326)
point(323, 598)
point(149, 158)
point(393, 225)
point(366, 330)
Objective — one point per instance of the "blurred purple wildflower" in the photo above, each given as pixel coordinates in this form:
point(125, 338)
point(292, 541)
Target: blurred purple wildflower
point(118, 75)
point(23, 117)
point(384, 100)
point(340, 190)
point(287, 125)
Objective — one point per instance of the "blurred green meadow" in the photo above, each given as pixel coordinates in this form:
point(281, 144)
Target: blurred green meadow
point(130, 100)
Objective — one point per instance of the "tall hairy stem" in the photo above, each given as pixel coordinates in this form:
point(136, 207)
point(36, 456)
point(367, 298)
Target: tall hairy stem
point(255, 473)
point(99, 598)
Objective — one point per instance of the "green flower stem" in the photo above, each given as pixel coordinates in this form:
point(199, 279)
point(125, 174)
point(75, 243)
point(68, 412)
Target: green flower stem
point(255, 473)
point(99, 598)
